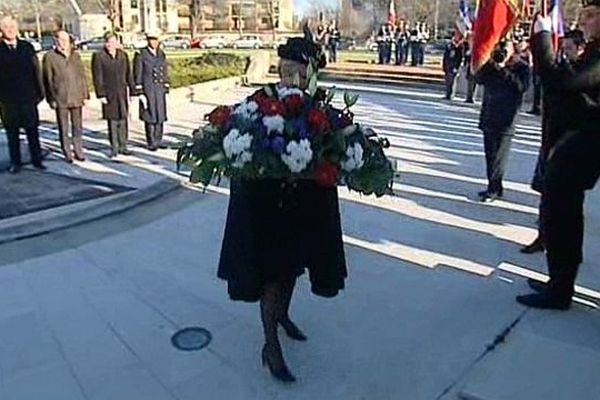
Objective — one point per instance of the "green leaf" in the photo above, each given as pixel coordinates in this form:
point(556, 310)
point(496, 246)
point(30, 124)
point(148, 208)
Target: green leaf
point(349, 130)
point(268, 91)
point(352, 100)
point(216, 157)
point(203, 173)
point(312, 85)
point(330, 95)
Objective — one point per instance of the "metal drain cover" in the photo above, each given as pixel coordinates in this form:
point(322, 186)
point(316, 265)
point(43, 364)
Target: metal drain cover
point(191, 339)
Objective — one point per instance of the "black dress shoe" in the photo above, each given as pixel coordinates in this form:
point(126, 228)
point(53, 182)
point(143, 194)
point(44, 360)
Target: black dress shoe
point(40, 166)
point(544, 301)
point(534, 247)
point(534, 112)
point(152, 148)
point(163, 146)
point(14, 169)
point(487, 196)
point(538, 286)
point(82, 158)
point(69, 160)
point(469, 101)
point(127, 152)
point(292, 330)
point(281, 372)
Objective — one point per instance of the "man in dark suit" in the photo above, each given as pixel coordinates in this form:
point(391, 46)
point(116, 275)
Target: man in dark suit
point(573, 165)
point(453, 58)
point(21, 90)
point(113, 84)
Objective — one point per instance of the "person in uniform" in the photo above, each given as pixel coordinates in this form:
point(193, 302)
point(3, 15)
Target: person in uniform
point(401, 43)
point(66, 92)
point(573, 165)
point(113, 83)
point(471, 84)
point(414, 45)
point(151, 78)
point(505, 79)
point(21, 90)
point(553, 121)
point(381, 45)
point(276, 229)
point(334, 42)
point(452, 61)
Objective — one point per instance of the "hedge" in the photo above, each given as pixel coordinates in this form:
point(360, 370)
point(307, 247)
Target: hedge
point(192, 70)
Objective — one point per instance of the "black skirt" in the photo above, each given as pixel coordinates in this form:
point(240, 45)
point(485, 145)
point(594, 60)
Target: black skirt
point(277, 229)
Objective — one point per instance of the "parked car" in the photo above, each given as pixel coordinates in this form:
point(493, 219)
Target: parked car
point(176, 42)
point(36, 45)
point(136, 42)
point(47, 43)
point(279, 42)
point(209, 42)
point(247, 42)
point(96, 43)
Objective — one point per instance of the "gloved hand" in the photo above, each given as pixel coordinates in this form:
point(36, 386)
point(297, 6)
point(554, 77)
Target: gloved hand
point(542, 24)
point(104, 100)
point(143, 101)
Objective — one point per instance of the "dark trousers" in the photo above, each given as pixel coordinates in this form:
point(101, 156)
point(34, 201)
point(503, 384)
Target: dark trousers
point(117, 134)
point(154, 134)
point(333, 53)
point(497, 148)
point(451, 78)
point(537, 93)
point(414, 54)
point(400, 53)
point(74, 144)
point(421, 58)
point(17, 116)
point(573, 168)
point(471, 86)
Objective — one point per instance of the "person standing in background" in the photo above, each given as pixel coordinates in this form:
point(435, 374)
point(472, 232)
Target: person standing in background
point(113, 84)
point(21, 90)
point(453, 58)
point(66, 93)
point(151, 78)
point(334, 42)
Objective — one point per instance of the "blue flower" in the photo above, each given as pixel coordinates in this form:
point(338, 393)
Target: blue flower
point(278, 144)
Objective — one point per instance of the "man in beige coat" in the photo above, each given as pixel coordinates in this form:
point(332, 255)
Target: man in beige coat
point(66, 92)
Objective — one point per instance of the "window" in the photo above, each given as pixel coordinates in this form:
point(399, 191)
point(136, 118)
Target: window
point(135, 20)
point(134, 4)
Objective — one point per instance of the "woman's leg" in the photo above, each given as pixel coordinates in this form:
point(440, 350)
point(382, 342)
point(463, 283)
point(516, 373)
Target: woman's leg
point(287, 290)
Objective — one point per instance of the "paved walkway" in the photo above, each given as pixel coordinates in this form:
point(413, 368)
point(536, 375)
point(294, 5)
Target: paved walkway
point(88, 312)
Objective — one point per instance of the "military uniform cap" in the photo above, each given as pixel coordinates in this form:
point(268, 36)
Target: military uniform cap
point(152, 35)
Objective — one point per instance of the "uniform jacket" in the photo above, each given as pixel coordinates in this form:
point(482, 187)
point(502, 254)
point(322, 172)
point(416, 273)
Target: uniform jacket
point(151, 77)
point(453, 58)
point(577, 88)
point(20, 74)
point(113, 81)
point(64, 79)
point(503, 95)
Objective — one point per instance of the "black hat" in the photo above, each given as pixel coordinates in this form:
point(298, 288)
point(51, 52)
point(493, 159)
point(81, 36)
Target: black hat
point(589, 3)
point(304, 51)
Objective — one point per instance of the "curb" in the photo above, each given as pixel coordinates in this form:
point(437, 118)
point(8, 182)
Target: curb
point(85, 212)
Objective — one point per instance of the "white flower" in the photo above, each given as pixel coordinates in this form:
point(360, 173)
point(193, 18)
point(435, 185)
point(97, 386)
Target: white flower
point(247, 109)
point(284, 92)
point(297, 155)
point(237, 147)
point(274, 124)
point(354, 158)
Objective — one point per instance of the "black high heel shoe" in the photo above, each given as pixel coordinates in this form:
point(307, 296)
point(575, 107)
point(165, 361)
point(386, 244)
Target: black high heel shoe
point(292, 330)
point(281, 373)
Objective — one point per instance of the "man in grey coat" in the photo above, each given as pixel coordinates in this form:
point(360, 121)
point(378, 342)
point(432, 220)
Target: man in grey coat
point(152, 84)
point(66, 92)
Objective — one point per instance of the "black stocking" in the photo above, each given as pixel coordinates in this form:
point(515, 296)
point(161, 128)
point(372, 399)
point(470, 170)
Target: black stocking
point(291, 329)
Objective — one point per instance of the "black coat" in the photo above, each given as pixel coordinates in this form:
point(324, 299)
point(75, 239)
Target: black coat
point(20, 75)
point(151, 78)
point(453, 58)
point(113, 81)
point(503, 95)
point(577, 89)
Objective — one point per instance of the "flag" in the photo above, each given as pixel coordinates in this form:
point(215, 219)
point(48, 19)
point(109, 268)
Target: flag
point(464, 24)
point(558, 22)
point(495, 19)
point(392, 13)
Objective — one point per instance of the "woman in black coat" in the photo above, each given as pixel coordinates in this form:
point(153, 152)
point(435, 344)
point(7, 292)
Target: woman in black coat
point(275, 229)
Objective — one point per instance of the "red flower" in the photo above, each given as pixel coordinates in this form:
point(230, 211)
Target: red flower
point(317, 119)
point(294, 104)
point(271, 107)
point(326, 174)
point(259, 97)
point(219, 116)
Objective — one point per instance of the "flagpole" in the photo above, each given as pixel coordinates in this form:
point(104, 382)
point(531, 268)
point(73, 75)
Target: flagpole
point(544, 8)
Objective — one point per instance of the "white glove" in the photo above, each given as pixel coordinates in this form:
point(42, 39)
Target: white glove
point(104, 100)
point(144, 101)
point(542, 24)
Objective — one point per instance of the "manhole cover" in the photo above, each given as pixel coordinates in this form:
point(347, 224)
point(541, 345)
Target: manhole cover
point(191, 339)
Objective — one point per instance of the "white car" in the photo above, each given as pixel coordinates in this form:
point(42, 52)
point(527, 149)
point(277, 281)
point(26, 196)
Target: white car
point(213, 42)
point(247, 42)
